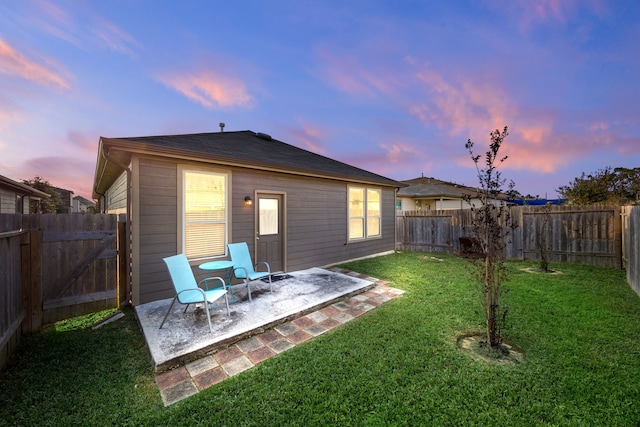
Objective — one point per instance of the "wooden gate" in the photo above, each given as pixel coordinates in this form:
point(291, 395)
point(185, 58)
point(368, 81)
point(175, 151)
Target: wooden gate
point(53, 267)
point(70, 266)
point(79, 264)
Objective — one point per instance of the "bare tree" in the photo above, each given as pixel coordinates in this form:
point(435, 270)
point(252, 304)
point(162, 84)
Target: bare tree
point(542, 240)
point(490, 227)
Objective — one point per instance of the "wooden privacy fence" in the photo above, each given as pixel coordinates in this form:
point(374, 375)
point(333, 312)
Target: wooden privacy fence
point(53, 267)
point(576, 234)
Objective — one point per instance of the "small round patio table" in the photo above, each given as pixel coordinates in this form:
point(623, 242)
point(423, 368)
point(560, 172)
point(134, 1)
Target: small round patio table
point(224, 266)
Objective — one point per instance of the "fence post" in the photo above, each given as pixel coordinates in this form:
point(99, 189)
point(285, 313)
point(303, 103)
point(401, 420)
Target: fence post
point(617, 235)
point(25, 274)
point(122, 286)
point(404, 232)
point(31, 270)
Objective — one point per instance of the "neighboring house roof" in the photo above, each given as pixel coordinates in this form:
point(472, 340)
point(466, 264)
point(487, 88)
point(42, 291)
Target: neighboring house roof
point(242, 149)
point(83, 201)
point(21, 188)
point(431, 188)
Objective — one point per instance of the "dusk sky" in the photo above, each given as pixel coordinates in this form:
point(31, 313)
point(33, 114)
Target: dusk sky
point(393, 87)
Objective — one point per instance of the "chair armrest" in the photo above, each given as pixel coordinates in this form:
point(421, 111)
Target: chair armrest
point(204, 296)
point(265, 263)
point(206, 286)
point(246, 272)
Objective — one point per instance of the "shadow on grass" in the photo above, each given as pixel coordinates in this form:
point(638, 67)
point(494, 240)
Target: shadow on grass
point(71, 372)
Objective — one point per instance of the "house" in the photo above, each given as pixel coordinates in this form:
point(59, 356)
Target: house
point(433, 194)
point(195, 193)
point(16, 197)
point(80, 204)
point(65, 200)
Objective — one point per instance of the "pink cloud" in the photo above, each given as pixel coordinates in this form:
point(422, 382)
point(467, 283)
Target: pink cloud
point(9, 111)
point(66, 24)
point(115, 38)
point(545, 11)
point(81, 143)
point(530, 14)
point(542, 149)
point(65, 172)
point(53, 20)
point(461, 106)
point(13, 63)
point(348, 74)
point(399, 152)
point(464, 106)
point(209, 88)
point(309, 137)
point(628, 146)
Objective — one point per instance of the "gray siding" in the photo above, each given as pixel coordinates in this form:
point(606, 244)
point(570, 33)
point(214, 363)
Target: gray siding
point(316, 218)
point(7, 201)
point(115, 199)
point(316, 221)
point(158, 236)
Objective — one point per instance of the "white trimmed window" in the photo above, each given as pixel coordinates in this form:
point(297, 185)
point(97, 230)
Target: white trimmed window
point(364, 213)
point(204, 213)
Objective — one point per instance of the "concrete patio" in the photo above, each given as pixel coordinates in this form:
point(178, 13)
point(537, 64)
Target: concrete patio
point(185, 337)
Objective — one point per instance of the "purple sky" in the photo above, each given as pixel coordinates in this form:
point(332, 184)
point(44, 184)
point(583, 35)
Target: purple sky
point(394, 87)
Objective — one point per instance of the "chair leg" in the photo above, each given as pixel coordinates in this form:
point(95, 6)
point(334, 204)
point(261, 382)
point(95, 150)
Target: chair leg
point(168, 311)
point(208, 314)
point(226, 300)
point(248, 288)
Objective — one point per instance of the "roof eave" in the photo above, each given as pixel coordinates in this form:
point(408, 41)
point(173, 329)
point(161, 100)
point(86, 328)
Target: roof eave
point(23, 188)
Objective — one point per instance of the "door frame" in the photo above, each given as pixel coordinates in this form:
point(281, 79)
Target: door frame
point(283, 213)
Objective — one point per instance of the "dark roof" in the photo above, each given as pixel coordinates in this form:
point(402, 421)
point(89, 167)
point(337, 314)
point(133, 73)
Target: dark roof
point(429, 188)
point(21, 188)
point(243, 149)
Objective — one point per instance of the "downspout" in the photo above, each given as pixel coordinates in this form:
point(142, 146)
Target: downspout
point(127, 169)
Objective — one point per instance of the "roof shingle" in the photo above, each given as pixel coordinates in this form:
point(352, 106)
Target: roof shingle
point(250, 149)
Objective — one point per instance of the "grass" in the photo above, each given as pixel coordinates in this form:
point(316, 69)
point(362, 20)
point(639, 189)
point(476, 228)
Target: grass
point(396, 365)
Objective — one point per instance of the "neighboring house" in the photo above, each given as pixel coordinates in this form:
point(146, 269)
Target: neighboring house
point(80, 204)
point(433, 194)
point(193, 194)
point(65, 201)
point(16, 197)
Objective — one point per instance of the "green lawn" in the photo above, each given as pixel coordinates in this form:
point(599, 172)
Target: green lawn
point(396, 365)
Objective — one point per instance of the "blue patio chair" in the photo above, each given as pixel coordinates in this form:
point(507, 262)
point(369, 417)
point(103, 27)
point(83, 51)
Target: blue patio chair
point(244, 268)
point(187, 290)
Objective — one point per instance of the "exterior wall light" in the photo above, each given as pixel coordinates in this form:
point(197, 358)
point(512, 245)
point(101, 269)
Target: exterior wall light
point(248, 201)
